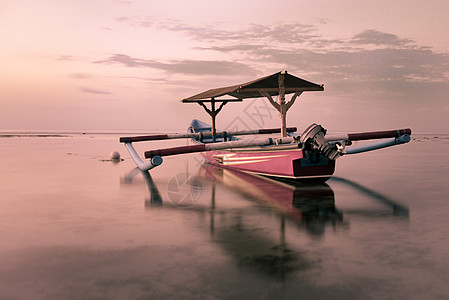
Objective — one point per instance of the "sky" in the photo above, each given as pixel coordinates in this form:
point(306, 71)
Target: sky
point(126, 65)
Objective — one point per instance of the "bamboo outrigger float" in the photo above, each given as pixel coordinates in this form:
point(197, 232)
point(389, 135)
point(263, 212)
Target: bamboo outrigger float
point(309, 156)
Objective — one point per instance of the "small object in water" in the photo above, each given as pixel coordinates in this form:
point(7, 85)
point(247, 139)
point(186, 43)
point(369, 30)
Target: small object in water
point(115, 155)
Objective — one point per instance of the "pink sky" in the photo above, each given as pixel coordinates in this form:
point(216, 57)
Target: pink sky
point(125, 65)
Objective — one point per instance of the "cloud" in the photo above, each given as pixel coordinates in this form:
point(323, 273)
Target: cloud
point(93, 91)
point(371, 60)
point(79, 76)
point(66, 57)
point(285, 33)
point(378, 38)
point(192, 67)
point(370, 56)
point(137, 23)
point(366, 65)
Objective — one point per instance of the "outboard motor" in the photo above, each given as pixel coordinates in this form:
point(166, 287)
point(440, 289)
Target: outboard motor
point(313, 139)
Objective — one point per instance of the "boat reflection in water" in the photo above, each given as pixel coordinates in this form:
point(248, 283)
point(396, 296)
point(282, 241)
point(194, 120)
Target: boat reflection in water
point(254, 232)
point(311, 206)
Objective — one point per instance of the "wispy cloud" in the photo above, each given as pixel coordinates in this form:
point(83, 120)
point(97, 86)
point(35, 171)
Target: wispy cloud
point(79, 76)
point(285, 33)
point(66, 57)
point(378, 38)
point(193, 67)
point(93, 91)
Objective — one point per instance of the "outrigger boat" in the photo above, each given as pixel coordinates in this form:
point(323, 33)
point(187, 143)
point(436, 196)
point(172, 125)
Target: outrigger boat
point(307, 157)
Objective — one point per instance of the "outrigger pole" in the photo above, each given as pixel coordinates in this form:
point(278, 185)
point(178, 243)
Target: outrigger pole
point(201, 135)
point(219, 146)
point(399, 136)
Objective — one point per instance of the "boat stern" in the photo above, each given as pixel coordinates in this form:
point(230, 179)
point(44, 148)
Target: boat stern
point(313, 165)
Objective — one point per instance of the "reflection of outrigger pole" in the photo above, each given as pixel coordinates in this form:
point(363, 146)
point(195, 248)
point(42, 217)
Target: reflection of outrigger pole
point(398, 209)
point(156, 198)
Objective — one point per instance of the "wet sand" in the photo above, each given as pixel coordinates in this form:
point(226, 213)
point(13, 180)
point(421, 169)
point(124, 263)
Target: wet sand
point(75, 225)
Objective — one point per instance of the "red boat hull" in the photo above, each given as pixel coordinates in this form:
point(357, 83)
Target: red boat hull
point(290, 164)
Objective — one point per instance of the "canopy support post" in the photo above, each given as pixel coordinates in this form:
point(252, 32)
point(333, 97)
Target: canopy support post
point(213, 112)
point(282, 107)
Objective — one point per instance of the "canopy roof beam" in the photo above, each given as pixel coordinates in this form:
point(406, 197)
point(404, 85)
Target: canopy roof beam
point(213, 100)
point(276, 90)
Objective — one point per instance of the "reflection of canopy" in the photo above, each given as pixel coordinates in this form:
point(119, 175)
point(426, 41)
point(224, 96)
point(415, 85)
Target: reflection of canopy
point(252, 89)
point(280, 83)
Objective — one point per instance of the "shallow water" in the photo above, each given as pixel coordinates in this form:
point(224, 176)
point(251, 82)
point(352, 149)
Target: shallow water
point(75, 225)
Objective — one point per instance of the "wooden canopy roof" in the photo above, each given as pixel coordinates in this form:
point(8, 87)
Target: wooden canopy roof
point(268, 84)
point(277, 84)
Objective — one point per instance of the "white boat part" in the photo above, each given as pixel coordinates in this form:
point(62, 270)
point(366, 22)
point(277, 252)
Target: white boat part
point(143, 165)
point(377, 145)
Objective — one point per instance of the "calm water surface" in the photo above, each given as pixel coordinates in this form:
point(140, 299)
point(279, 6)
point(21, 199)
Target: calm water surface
point(75, 225)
